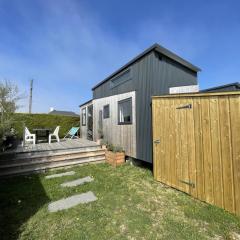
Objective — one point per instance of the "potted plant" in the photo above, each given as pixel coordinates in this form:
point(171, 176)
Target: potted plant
point(115, 155)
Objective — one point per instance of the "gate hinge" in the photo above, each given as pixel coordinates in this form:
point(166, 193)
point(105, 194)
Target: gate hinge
point(191, 184)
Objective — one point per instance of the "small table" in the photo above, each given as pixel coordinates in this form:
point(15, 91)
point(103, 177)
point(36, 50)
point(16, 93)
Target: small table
point(42, 133)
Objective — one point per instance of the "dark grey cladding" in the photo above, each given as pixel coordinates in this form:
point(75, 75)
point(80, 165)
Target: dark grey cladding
point(152, 74)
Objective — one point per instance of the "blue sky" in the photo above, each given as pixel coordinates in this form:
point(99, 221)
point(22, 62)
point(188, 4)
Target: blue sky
point(69, 46)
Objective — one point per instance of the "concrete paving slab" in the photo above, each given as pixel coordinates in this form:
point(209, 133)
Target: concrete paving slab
point(77, 182)
point(60, 175)
point(72, 201)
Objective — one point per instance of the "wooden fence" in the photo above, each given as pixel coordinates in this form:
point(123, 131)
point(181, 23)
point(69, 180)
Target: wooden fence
point(196, 145)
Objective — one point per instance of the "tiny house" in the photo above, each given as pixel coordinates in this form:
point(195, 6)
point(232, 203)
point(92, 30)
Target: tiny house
point(120, 110)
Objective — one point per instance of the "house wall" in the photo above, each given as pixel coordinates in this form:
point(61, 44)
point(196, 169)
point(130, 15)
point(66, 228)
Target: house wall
point(83, 129)
point(150, 75)
point(119, 135)
point(155, 77)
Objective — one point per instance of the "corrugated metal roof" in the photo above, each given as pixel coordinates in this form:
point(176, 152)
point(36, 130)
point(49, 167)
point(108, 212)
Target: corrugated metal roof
point(160, 49)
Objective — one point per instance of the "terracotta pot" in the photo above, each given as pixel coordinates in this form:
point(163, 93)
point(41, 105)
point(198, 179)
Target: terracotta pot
point(115, 158)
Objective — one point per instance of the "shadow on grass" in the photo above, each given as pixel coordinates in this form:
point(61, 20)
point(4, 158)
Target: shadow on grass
point(20, 198)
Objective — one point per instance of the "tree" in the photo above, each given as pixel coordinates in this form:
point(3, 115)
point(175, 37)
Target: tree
point(8, 105)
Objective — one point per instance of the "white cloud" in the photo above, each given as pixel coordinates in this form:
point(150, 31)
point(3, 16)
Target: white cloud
point(65, 51)
point(65, 48)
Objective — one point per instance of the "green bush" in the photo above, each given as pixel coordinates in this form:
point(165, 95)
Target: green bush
point(114, 149)
point(32, 121)
point(8, 105)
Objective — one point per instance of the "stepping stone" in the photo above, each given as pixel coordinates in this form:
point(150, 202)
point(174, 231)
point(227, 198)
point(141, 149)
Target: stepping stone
point(77, 182)
point(60, 175)
point(72, 201)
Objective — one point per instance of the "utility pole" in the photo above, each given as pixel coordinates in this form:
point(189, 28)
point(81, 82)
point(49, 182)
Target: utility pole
point(30, 96)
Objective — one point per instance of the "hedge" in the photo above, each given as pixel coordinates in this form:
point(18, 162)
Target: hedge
point(32, 121)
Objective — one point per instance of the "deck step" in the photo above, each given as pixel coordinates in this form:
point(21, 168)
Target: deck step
point(47, 156)
point(30, 154)
point(50, 165)
point(27, 164)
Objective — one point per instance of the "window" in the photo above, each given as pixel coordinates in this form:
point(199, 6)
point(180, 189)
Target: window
point(106, 113)
point(123, 77)
point(125, 111)
point(84, 117)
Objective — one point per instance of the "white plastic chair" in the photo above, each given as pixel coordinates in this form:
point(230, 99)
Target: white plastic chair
point(29, 137)
point(54, 134)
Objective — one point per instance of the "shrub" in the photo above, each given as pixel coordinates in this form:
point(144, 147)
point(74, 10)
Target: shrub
point(114, 149)
point(32, 121)
point(118, 149)
point(8, 105)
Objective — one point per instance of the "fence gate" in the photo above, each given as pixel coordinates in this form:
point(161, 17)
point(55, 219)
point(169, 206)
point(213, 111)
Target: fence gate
point(196, 146)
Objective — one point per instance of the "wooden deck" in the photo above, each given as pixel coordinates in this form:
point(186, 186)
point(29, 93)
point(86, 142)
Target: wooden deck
point(64, 144)
point(42, 156)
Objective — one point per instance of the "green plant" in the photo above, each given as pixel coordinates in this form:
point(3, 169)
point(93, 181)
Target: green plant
point(110, 147)
point(8, 105)
point(113, 148)
point(118, 149)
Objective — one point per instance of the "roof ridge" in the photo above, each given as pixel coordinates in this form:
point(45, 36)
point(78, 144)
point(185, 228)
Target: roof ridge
point(158, 48)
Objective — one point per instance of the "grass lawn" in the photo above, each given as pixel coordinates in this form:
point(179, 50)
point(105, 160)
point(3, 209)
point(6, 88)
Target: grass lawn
point(130, 205)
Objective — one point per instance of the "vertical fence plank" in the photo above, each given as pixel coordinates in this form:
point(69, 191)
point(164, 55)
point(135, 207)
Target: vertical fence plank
point(157, 134)
point(184, 145)
point(167, 139)
point(235, 132)
point(207, 151)
point(154, 134)
point(160, 147)
point(173, 142)
point(226, 151)
point(191, 149)
point(178, 171)
point(199, 149)
point(163, 143)
point(216, 152)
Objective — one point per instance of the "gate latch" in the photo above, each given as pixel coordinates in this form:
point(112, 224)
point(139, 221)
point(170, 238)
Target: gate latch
point(157, 141)
point(185, 106)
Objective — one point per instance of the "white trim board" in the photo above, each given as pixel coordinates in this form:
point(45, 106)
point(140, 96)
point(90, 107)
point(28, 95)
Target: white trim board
point(184, 89)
